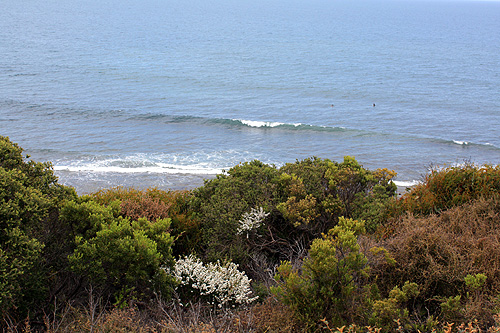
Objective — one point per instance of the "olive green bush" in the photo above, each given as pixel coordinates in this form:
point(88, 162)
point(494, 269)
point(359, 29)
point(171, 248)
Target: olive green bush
point(444, 188)
point(29, 200)
point(21, 281)
point(85, 217)
point(393, 312)
point(301, 200)
point(318, 191)
point(127, 257)
point(221, 203)
point(333, 281)
point(119, 256)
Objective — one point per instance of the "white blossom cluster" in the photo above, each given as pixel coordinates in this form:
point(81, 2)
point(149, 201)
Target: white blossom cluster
point(223, 284)
point(251, 220)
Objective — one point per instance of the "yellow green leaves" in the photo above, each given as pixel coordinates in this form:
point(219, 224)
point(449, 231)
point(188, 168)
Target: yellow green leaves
point(393, 311)
point(299, 211)
point(331, 282)
point(115, 252)
point(475, 282)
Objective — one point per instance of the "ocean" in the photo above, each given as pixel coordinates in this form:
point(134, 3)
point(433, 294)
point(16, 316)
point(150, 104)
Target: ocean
point(167, 93)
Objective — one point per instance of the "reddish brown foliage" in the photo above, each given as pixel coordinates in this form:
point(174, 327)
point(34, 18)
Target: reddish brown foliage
point(437, 252)
point(151, 203)
point(145, 206)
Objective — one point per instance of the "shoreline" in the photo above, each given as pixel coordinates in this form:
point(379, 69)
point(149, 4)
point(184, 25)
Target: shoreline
point(86, 182)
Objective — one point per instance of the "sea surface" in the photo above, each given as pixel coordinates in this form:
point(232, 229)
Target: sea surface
point(168, 93)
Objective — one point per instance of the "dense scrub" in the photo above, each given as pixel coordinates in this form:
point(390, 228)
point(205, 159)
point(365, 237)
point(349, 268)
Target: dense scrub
point(29, 201)
point(57, 246)
point(448, 187)
point(438, 252)
point(302, 200)
point(154, 204)
point(314, 245)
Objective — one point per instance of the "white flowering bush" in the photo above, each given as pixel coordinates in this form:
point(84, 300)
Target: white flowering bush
point(221, 285)
point(251, 220)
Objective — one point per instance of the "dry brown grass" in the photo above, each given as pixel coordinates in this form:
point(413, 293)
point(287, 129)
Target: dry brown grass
point(272, 316)
point(437, 252)
point(114, 320)
point(267, 317)
point(201, 317)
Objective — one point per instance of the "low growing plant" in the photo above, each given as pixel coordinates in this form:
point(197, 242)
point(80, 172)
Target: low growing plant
point(393, 311)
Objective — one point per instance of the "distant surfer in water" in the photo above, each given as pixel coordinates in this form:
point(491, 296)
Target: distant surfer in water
point(373, 104)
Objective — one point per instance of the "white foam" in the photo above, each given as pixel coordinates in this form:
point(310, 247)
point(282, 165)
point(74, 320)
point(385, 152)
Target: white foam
point(166, 169)
point(254, 123)
point(462, 143)
point(197, 163)
point(406, 183)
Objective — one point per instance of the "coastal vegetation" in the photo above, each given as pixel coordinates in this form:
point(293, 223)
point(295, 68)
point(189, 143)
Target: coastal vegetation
point(312, 246)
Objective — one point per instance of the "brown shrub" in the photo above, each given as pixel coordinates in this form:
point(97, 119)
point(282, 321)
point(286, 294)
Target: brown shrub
point(144, 206)
point(438, 252)
point(96, 319)
point(151, 203)
point(273, 316)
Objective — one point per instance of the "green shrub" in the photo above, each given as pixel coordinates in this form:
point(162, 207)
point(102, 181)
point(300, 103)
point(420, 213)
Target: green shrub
point(349, 179)
point(127, 256)
point(21, 282)
point(332, 283)
point(85, 217)
point(302, 200)
point(29, 200)
point(318, 191)
point(451, 308)
point(221, 203)
point(116, 253)
point(38, 175)
point(153, 204)
point(475, 282)
point(393, 311)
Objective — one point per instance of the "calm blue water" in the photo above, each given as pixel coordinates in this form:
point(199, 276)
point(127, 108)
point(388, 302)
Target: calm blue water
point(167, 93)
